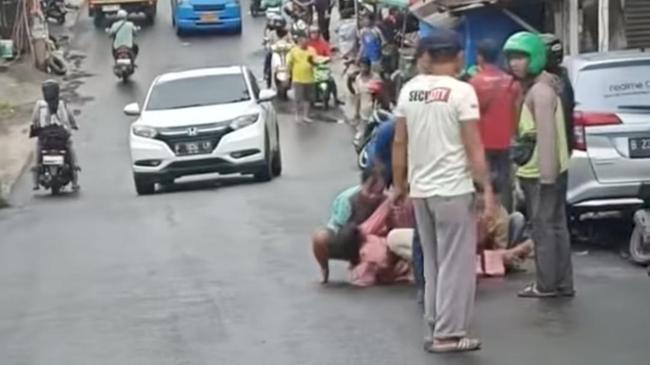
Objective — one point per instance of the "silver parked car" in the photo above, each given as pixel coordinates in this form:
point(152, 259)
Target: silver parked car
point(610, 166)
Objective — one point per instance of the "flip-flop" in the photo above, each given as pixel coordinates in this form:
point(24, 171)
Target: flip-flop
point(530, 291)
point(465, 344)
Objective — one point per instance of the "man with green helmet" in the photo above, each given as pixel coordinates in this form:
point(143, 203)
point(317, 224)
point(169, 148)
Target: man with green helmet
point(543, 170)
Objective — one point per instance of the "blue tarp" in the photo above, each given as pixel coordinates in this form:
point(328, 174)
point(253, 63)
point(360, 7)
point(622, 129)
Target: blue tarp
point(489, 22)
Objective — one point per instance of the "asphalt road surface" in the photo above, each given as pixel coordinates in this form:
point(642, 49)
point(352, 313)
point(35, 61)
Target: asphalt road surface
point(220, 272)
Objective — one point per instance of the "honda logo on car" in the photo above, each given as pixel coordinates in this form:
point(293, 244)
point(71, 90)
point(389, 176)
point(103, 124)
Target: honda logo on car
point(192, 131)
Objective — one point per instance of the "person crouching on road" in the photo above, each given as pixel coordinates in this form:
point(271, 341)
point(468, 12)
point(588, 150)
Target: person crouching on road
point(504, 234)
point(340, 239)
point(543, 176)
point(301, 63)
point(437, 123)
point(498, 96)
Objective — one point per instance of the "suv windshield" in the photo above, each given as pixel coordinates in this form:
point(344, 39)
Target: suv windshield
point(198, 91)
point(609, 87)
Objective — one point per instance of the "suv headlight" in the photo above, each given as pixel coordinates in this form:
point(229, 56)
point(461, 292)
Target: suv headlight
point(144, 131)
point(244, 121)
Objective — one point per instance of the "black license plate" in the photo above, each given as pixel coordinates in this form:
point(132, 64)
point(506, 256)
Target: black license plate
point(639, 147)
point(193, 148)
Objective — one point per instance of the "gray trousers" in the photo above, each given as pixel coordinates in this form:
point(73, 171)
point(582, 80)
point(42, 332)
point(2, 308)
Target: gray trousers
point(546, 207)
point(448, 234)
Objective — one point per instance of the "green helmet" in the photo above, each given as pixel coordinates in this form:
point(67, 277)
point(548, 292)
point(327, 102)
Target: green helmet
point(530, 44)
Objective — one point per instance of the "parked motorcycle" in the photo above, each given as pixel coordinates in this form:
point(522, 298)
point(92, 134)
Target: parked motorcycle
point(55, 169)
point(322, 77)
point(124, 66)
point(280, 69)
point(379, 116)
point(54, 10)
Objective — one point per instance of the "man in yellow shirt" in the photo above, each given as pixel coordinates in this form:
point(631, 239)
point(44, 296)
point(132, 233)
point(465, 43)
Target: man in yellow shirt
point(301, 63)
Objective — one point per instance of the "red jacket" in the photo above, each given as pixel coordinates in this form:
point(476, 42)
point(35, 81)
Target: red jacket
point(321, 47)
point(498, 94)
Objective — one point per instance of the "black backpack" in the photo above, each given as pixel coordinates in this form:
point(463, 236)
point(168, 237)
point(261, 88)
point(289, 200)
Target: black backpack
point(567, 97)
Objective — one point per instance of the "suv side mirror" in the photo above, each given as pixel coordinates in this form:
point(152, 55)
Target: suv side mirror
point(266, 95)
point(132, 110)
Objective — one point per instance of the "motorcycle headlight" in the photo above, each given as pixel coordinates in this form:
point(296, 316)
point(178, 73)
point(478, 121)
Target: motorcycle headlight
point(244, 121)
point(144, 131)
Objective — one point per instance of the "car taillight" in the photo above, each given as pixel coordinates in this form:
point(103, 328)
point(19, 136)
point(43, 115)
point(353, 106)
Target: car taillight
point(583, 120)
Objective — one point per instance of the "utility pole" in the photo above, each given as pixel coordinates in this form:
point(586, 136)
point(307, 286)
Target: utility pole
point(603, 25)
point(574, 28)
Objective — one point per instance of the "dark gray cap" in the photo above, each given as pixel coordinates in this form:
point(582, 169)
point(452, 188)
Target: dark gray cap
point(441, 40)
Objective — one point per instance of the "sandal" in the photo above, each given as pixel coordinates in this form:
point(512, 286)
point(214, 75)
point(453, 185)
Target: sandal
point(464, 344)
point(531, 291)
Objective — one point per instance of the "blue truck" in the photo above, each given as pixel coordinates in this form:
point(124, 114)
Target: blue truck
point(206, 15)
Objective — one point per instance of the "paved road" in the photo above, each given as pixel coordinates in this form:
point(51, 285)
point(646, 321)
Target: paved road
point(221, 272)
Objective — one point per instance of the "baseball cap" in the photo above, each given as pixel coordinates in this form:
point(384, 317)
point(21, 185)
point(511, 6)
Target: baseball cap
point(441, 40)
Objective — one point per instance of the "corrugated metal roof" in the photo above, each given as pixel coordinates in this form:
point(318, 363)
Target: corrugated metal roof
point(637, 23)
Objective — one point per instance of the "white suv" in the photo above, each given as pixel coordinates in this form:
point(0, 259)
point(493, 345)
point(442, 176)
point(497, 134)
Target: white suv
point(213, 120)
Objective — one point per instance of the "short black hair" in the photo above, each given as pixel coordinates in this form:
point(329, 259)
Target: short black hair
point(370, 173)
point(489, 50)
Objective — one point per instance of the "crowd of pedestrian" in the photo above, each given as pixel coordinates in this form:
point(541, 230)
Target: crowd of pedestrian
point(436, 205)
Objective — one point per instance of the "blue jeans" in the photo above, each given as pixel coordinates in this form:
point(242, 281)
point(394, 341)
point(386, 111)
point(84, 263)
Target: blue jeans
point(418, 261)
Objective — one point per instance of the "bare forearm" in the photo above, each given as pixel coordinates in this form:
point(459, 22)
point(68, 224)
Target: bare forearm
point(399, 154)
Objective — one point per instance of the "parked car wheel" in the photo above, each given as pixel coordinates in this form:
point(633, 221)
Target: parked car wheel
point(639, 249)
point(266, 173)
point(276, 165)
point(98, 19)
point(144, 186)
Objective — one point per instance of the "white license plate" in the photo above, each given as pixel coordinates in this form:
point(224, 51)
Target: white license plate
point(110, 8)
point(123, 61)
point(53, 160)
point(210, 17)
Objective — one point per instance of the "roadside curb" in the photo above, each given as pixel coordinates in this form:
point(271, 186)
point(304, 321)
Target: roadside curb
point(7, 188)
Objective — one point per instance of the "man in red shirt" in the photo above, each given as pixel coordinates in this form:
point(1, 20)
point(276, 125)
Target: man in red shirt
point(499, 96)
point(323, 49)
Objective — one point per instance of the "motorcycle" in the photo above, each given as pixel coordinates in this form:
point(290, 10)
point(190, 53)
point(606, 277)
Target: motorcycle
point(379, 116)
point(322, 77)
point(55, 169)
point(55, 10)
point(258, 7)
point(279, 68)
point(124, 66)
point(298, 10)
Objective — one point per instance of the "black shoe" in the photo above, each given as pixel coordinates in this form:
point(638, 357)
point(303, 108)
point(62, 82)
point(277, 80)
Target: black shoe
point(340, 102)
point(36, 187)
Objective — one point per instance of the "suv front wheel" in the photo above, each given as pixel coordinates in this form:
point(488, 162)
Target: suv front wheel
point(144, 185)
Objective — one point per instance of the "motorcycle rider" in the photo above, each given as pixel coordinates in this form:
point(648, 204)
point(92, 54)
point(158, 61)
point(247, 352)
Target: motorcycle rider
point(276, 32)
point(123, 32)
point(323, 49)
point(50, 111)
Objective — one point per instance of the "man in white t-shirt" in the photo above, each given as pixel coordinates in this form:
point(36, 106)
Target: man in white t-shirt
point(437, 142)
